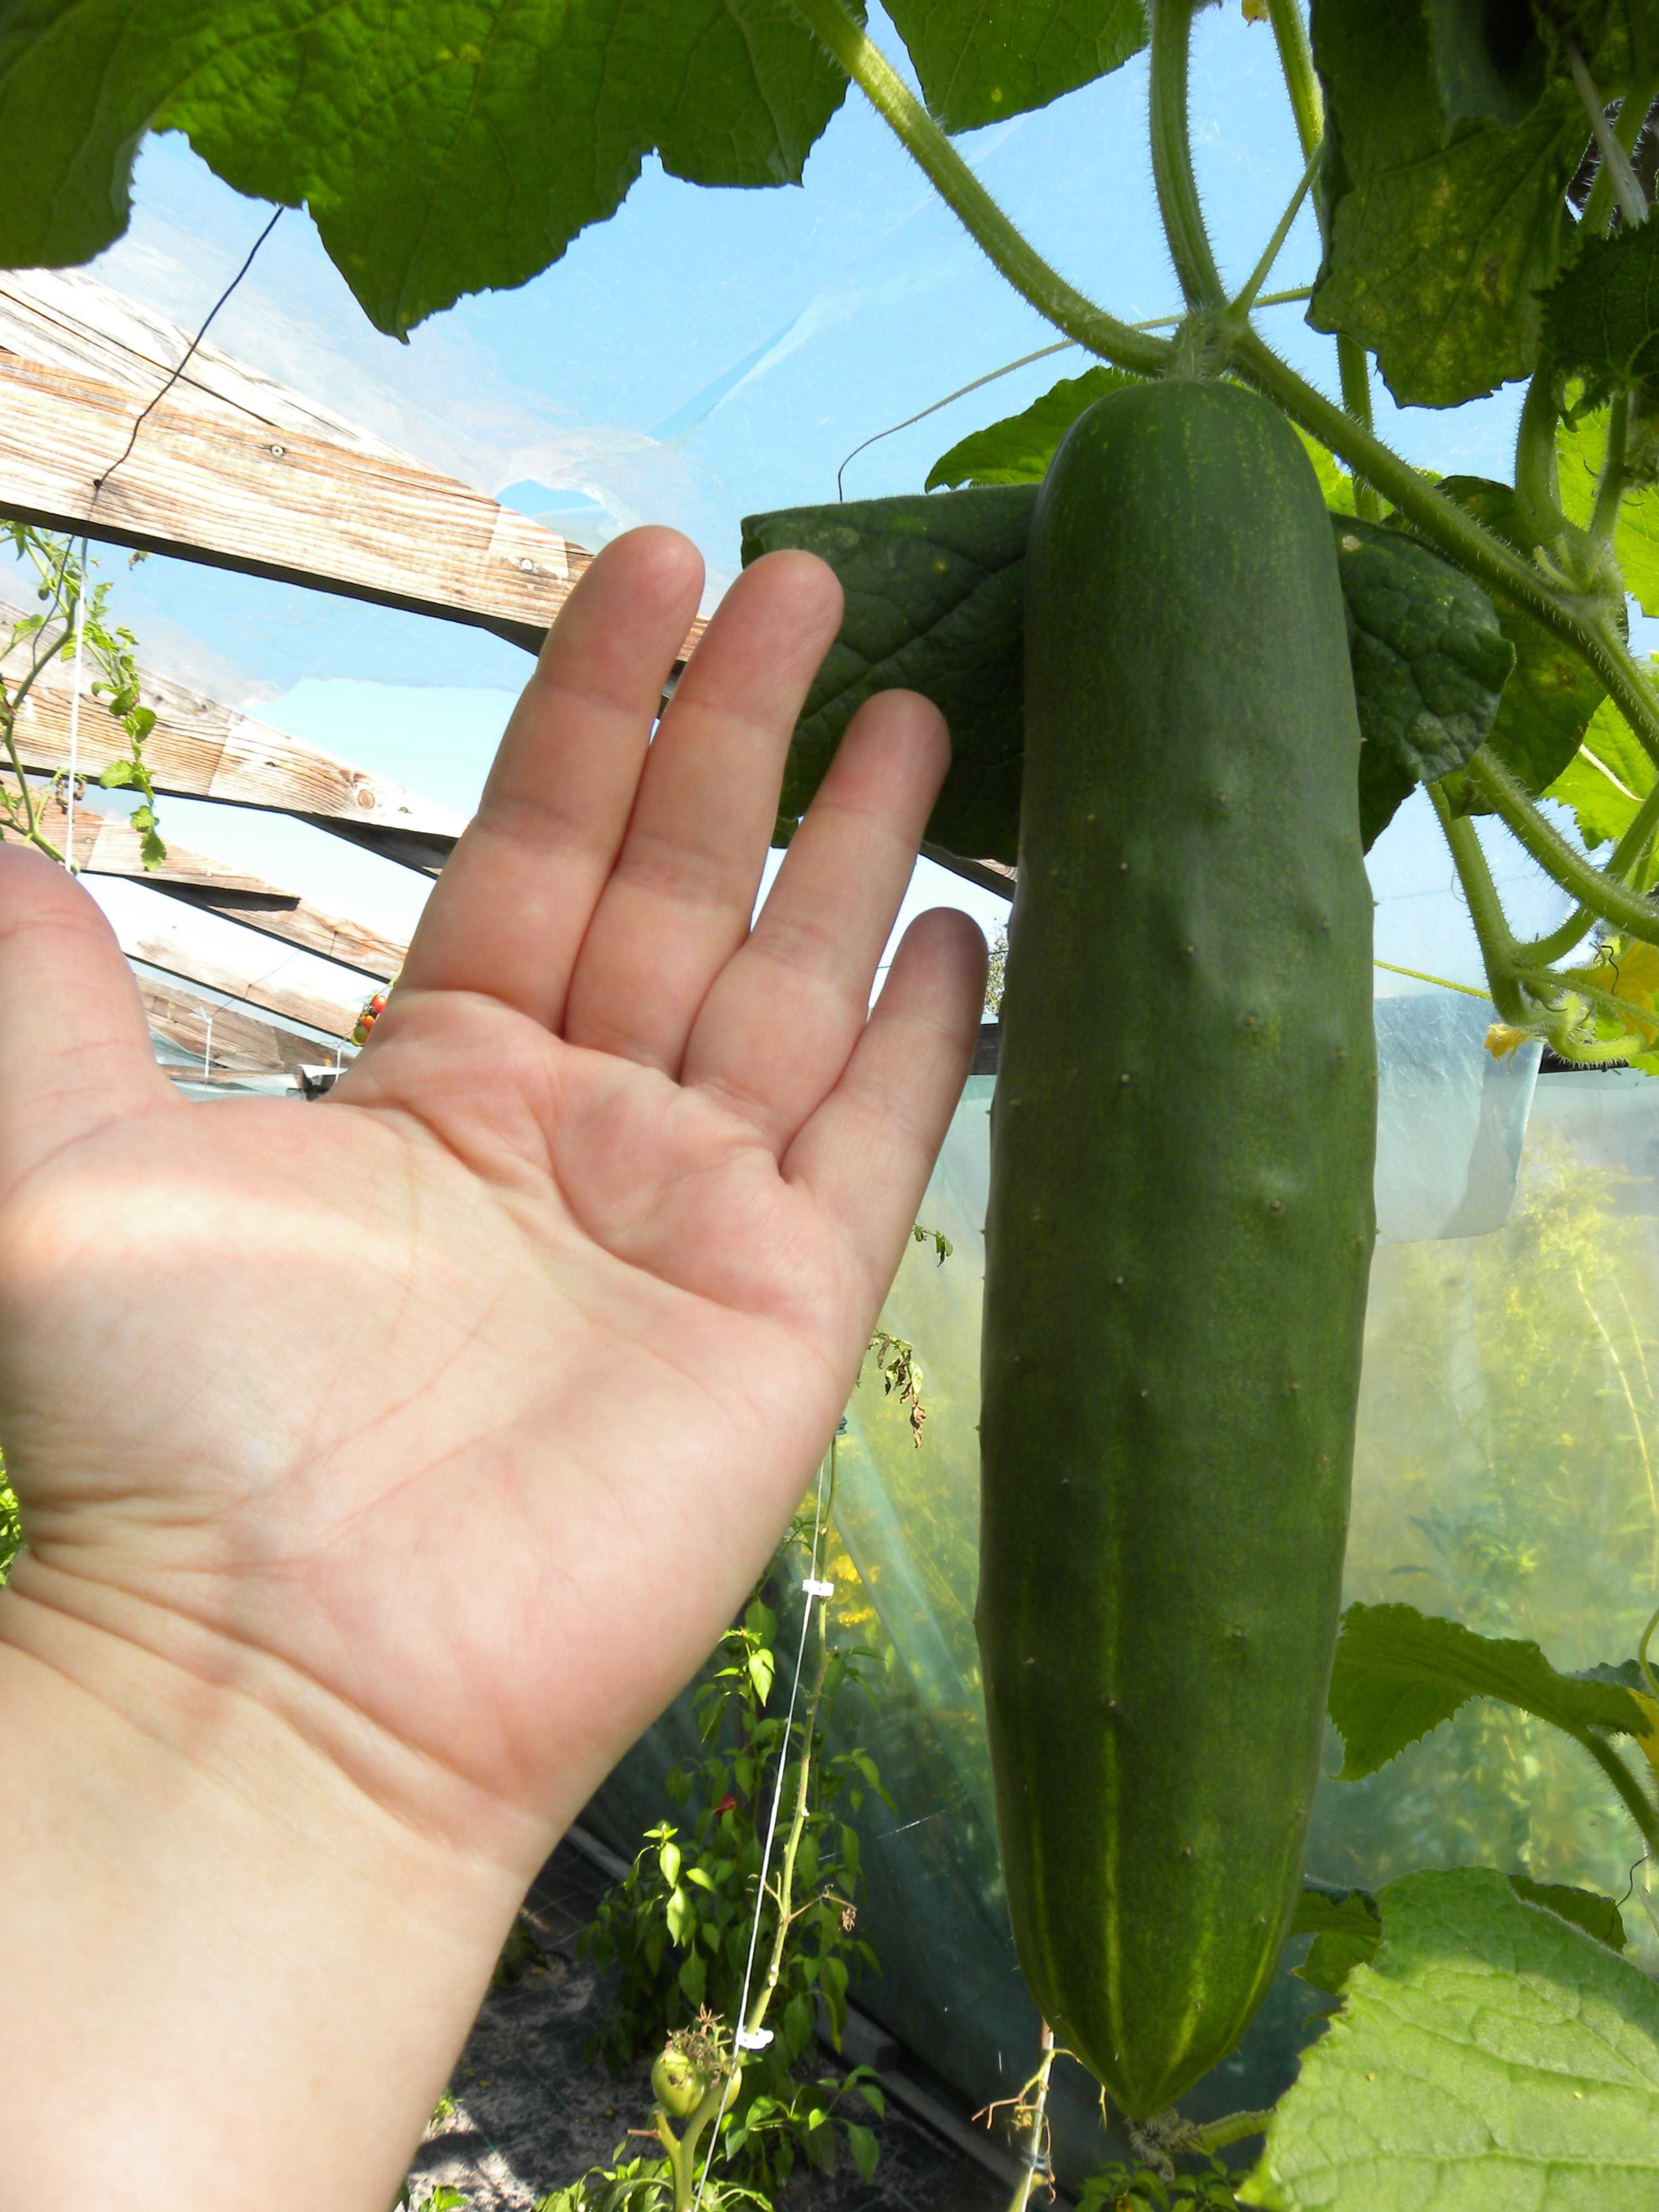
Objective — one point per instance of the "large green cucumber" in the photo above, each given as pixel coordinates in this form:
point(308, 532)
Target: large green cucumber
point(1180, 1227)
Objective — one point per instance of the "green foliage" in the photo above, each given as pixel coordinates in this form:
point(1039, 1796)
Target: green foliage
point(1581, 453)
point(934, 591)
point(1145, 2188)
point(1018, 449)
point(1400, 1673)
point(1443, 194)
point(1346, 1926)
point(29, 643)
point(1606, 780)
point(1430, 663)
point(1601, 319)
point(444, 149)
point(11, 1523)
point(678, 1926)
point(1490, 2056)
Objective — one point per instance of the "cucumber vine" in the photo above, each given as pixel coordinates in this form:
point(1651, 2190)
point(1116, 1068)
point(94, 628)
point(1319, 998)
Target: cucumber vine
point(1571, 584)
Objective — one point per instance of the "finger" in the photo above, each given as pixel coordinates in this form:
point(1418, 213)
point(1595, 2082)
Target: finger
point(868, 1153)
point(680, 901)
point(776, 1029)
point(512, 907)
point(75, 1051)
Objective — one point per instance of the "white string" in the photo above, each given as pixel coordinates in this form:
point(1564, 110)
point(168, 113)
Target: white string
point(811, 1583)
point(74, 707)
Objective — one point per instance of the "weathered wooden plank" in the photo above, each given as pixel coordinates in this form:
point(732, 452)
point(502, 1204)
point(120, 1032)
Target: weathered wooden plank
point(200, 749)
point(232, 469)
point(106, 846)
point(241, 1042)
point(198, 949)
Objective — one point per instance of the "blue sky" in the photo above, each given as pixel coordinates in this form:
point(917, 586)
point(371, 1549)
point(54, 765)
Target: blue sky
point(702, 356)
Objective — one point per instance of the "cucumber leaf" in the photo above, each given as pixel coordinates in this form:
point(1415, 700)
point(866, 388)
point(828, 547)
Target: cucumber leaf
point(1601, 317)
point(1018, 449)
point(935, 602)
point(935, 591)
point(1399, 1673)
point(1346, 1926)
point(1430, 662)
point(1490, 2056)
point(1441, 194)
point(978, 61)
point(1346, 1929)
point(442, 150)
point(1607, 779)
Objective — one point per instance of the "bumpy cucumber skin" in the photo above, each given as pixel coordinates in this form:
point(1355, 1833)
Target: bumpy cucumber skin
point(1179, 1231)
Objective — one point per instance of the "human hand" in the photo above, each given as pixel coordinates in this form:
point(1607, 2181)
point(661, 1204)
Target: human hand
point(450, 1419)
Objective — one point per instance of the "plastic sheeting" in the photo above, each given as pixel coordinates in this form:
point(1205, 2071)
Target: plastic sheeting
point(1507, 1473)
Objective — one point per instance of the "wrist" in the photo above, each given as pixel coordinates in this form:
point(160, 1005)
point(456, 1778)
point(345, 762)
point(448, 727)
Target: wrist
point(210, 1911)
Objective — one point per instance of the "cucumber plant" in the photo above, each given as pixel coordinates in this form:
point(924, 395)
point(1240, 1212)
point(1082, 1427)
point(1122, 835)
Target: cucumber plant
point(1479, 175)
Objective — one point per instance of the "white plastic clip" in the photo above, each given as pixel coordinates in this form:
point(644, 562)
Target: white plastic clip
point(818, 1590)
point(753, 2038)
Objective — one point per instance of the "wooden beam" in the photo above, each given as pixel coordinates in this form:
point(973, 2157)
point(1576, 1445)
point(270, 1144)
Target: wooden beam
point(200, 749)
point(196, 949)
point(242, 1042)
point(233, 469)
point(106, 846)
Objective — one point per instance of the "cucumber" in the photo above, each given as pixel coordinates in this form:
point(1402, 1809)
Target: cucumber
point(1179, 1229)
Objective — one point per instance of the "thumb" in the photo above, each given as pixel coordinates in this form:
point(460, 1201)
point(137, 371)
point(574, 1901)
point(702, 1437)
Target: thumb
point(74, 1052)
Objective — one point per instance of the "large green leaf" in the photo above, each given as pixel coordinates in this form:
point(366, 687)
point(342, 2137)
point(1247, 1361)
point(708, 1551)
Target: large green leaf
point(1018, 449)
point(1581, 446)
point(1442, 219)
point(1428, 665)
point(1549, 700)
point(1399, 1673)
point(1607, 779)
point(1601, 317)
point(978, 60)
point(1491, 2057)
point(935, 603)
point(443, 146)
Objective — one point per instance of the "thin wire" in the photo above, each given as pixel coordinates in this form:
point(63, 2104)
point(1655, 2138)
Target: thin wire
point(98, 483)
point(771, 1833)
point(75, 709)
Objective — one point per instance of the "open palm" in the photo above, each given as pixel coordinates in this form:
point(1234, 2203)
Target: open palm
point(452, 1418)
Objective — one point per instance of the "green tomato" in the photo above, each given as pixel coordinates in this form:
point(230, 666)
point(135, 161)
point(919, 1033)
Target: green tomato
point(677, 2086)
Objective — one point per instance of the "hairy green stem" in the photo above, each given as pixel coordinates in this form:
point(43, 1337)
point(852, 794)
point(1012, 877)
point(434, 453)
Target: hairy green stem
point(1633, 114)
point(1627, 855)
point(1537, 481)
point(1270, 254)
point(1636, 1799)
point(1296, 63)
point(1610, 485)
point(1354, 371)
point(1491, 928)
point(1188, 241)
point(1230, 2127)
point(1591, 886)
point(1055, 299)
point(1545, 985)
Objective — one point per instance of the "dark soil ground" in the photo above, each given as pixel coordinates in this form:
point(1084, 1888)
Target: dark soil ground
point(532, 2114)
